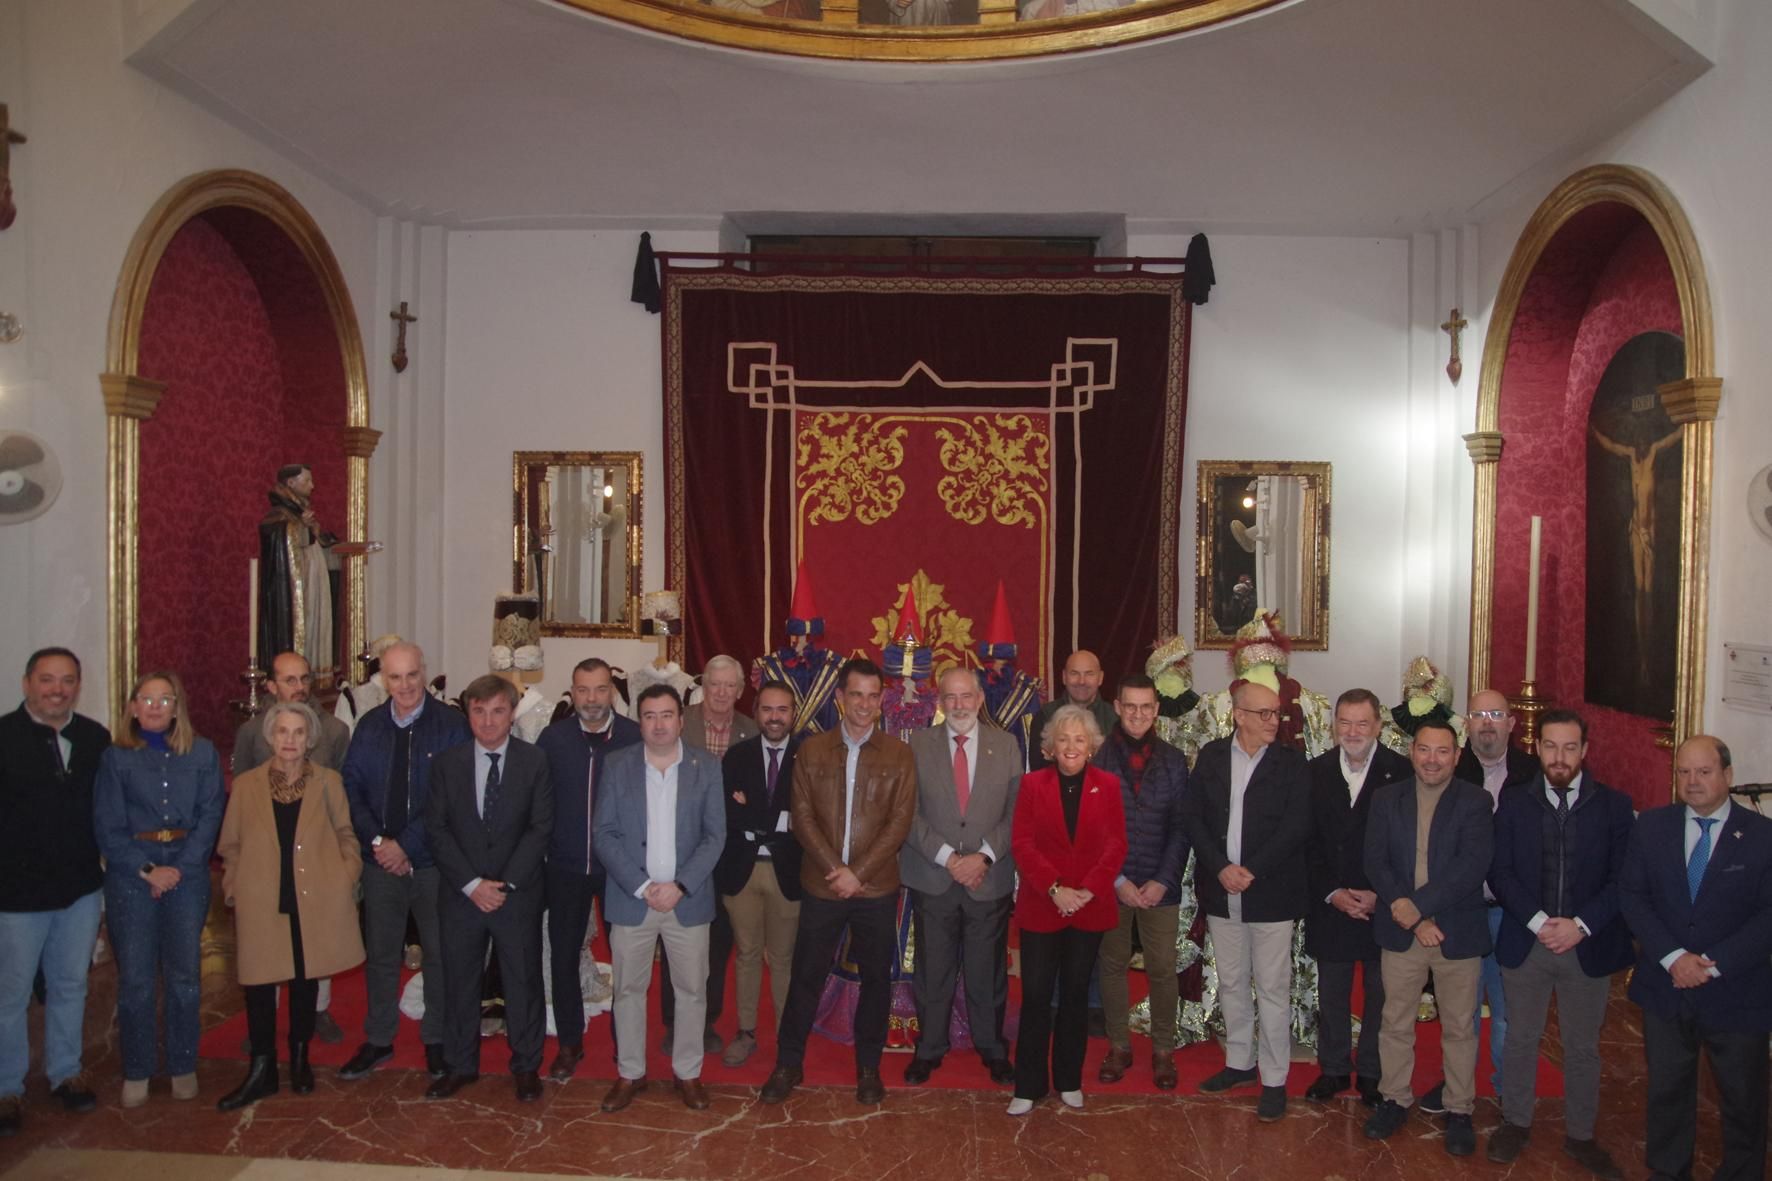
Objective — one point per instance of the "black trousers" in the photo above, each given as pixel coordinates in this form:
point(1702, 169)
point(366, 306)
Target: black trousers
point(1739, 1068)
point(570, 896)
point(719, 952)
point(1336, 1053)
point(514, 933)
point(1059, 1041)
point(959, 936)
point(872, 924)
point(261, 1004)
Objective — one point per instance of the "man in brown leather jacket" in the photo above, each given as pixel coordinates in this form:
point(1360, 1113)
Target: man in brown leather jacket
point(855, 794)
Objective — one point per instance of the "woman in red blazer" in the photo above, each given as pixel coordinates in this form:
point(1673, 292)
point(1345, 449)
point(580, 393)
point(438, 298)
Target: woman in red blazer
point(1069, 841)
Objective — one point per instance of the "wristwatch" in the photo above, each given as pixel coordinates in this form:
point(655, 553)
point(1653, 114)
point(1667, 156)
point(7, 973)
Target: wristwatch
point(1052, 890)
point(681, 888)
point(376, 843)
point(149, 868)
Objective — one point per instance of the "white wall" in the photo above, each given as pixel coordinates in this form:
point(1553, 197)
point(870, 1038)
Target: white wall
point(1708, 145)
point(105, 144)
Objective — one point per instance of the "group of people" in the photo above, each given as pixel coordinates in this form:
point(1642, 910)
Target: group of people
point(1496, 874)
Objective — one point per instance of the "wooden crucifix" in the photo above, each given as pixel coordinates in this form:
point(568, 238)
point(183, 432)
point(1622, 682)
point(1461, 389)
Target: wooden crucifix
point(8, 137)
point(402, 318)
point(1453, 327)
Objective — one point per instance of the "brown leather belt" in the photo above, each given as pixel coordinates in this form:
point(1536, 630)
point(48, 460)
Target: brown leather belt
point(164, 836)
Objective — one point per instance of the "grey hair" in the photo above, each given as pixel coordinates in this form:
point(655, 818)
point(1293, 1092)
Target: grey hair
point(715, 663)
point(1064, 716)
point(299, 708)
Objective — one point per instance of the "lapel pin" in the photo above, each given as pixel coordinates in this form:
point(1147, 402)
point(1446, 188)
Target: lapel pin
point(1737, 834)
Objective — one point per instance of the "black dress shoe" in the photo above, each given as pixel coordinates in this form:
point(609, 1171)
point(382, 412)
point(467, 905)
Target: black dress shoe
point(75, 1095)
point(1593, 1158)
point(436, 1062)
point(781, 1083)
point(1227, 1078)
point(1434, 1102)
point(528, 1086)
point(449, 1084)
point(1368, 1088)
point(1272, 1105)
point(868, 1087)
point(1327, 1087)
point(366, 1059)
point(1506, 1143)
point(301, 1075)
point(566, 1063)
point(260, 1081)
point(11, 1115)
point(1386, 1120)
point(1002, 1071)
point(1461, 1138)
point(918, 1070)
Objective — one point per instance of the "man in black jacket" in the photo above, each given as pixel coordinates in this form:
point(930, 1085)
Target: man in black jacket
point(1338, 927)
point(576, 746)
point(1428, 841)
point(50, 879)
point(1560, 842)
point(1248, 819)
point(490, 814)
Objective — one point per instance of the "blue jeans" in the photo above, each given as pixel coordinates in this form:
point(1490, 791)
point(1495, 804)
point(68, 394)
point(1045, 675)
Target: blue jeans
point(61, 942)
point(1490, 991)
point(157, 940)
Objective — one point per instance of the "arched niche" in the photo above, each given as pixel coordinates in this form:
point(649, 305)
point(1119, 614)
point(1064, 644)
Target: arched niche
point(269, 234)
point(1599, 223)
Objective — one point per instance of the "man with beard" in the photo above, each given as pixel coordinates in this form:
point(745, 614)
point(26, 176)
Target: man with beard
point(1559, 849)
point(576, 746)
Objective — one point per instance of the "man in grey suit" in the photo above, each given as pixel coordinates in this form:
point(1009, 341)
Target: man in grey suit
point(658, 829)
point(961, 876)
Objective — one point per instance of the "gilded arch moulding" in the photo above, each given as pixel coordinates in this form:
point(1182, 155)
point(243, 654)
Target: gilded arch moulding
point(131, 398)
point(1692, 401)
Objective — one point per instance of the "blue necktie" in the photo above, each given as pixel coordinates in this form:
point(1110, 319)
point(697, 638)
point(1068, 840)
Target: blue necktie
point(1700, 855)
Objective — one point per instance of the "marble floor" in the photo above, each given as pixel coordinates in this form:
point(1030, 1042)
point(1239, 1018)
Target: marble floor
point(820, 1133)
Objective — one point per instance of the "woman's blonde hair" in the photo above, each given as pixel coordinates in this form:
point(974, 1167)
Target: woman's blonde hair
point(180, 737)
point(1071, 714)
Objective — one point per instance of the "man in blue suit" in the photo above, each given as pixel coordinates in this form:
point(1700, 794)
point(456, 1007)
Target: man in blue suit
point(1560, 840)
point(1697, 893)
point(658, 830)
point(1428, 841)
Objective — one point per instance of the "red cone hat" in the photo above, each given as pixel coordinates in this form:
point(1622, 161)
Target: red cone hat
point(803, 616)
point(999, 638)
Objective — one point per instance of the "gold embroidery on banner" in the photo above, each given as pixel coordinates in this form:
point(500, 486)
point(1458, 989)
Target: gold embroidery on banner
point(945, 630)
point(846, 472)
point(999, 470)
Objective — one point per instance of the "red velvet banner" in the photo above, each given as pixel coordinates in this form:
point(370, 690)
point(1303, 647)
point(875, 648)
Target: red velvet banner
point(938, 432)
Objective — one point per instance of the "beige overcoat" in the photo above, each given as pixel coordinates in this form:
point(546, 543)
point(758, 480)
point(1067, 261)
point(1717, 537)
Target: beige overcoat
point(328, 862)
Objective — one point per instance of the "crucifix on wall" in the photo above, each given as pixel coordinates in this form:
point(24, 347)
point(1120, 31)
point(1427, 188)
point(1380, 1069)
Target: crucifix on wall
point(8, 137)
point(402, 318)
point(1454, 327)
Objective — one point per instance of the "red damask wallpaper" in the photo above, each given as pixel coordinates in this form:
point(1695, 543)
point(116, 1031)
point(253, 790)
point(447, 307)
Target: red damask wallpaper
point(1602, 280)
point(236, 326)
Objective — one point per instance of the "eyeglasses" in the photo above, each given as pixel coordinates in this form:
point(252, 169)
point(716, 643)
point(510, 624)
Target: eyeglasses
point(1493, 715)
point(1266, 715)
point(1139, 708)
point(162, 702)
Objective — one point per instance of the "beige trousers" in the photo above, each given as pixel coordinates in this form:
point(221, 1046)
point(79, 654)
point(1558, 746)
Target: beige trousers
point(1455, 989)
point(763, 926)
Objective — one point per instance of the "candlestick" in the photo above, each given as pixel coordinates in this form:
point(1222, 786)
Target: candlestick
point(1532, 603)
point(252, 612)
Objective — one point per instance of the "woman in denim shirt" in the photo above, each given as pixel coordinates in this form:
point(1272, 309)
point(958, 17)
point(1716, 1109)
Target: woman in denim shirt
point(157, 806)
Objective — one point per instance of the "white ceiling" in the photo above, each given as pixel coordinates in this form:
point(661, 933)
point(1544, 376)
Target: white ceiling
point(1330, 116)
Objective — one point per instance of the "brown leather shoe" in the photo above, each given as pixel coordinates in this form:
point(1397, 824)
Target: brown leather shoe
point(566, 1063)
point(1113, 1067)
point(1163, 1069)
point(695, 1096)
point(623, 1093)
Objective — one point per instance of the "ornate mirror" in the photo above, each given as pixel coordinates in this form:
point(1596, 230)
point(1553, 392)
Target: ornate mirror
point(1263, 541)
point(575, 530)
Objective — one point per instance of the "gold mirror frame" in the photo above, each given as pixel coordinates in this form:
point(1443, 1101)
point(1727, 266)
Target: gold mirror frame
point(521, 463)
point(1691, 402)
point(998, 35)
point(130, 399)
point(1310, 631)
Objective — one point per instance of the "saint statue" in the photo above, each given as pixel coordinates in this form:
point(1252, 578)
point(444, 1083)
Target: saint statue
point(805, 665)
point(295, 583)
point(1011, 697)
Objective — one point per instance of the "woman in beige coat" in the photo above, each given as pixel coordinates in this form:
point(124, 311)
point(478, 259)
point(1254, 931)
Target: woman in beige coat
point(290, 864)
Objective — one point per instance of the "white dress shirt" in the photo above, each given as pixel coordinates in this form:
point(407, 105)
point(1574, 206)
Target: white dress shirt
point(1550, 794)
point(850, 763)
point(1243, 766)
point(971, 748)
point(482, 768)
point(1721, 816)
point(661, 822)
point(781, 821)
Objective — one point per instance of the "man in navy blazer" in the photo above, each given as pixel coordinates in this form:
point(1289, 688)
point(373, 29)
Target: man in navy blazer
point(488, 819)
point(1559, 850)
point(659, 828)
point(577, 746)
point(1697, 893)
point(1428, 844)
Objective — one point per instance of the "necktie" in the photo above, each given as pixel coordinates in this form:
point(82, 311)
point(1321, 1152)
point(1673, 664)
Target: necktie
point(962, 773)
point(773, 773)
point(1562, 804)
point(55, 748)
point(490, 800)
point(1700, 856)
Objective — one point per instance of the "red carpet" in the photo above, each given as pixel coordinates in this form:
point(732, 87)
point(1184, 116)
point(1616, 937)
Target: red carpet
point(827, 1063)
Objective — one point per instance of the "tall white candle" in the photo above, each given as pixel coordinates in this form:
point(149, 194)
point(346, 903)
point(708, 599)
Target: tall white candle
point(1532, 603)
point(252, 612)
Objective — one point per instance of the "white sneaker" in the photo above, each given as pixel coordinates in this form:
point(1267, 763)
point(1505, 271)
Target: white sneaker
point(1020, 1106)
point(135, 1092)
point(1072, 1099)
point(184, 1086)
